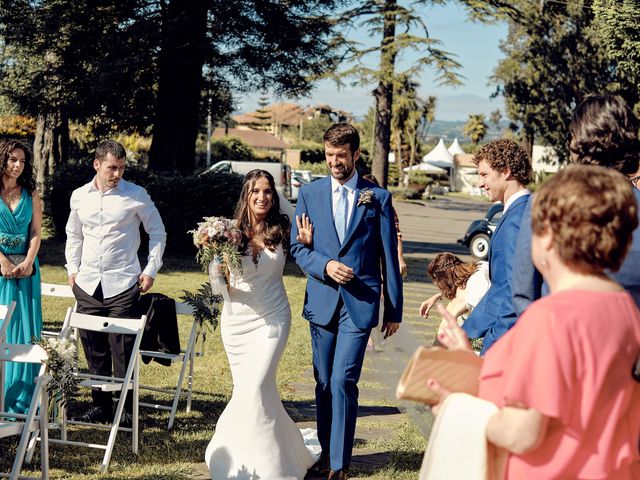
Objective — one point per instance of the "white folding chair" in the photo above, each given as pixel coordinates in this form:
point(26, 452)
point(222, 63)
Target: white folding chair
point(14, 424)
point(59, 291)
point(6, 312)
point(186, 357)
point(127, 326)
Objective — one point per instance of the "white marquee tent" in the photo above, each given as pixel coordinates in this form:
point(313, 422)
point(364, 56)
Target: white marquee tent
point(427, 168)
point(455, 148)
point(439, 156)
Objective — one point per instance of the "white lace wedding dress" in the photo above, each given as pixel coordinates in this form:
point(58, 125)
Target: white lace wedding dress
point(254, 437)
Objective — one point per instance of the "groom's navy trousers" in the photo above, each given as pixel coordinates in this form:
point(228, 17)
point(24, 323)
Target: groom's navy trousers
point(338, 354)
point(342, 316)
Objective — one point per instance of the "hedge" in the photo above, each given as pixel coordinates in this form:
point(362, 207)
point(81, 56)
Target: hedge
point(181, 200)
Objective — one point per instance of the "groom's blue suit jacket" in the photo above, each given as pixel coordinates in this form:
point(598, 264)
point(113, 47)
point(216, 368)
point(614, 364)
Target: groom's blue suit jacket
point(370, 247)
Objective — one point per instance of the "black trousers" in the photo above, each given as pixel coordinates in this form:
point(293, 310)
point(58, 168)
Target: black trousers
point(103, 349)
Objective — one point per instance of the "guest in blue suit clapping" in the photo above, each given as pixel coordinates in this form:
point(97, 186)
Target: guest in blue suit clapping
point(504, 171)
point(354, 247)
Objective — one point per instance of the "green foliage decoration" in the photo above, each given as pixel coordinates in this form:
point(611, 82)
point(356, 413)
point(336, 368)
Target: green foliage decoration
point(61, 381)
point(206, 305)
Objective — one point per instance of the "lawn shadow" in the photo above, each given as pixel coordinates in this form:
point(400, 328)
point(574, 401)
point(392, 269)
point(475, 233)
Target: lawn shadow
point(367, 464)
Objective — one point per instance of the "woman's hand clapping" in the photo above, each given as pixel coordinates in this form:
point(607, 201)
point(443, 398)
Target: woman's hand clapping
point(451, 335)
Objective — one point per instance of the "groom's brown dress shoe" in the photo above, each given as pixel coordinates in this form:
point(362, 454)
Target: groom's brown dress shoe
point(320, 469)
point(337, 475)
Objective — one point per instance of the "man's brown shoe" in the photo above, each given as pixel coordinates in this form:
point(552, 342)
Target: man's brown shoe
point(320, 469)
point(337, 475)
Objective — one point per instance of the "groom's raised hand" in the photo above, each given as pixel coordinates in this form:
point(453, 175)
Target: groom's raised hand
point(339, 271)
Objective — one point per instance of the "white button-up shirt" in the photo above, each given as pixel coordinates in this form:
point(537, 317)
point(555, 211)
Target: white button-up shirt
point(514, 197)
point(351, 195)
point(103, 236)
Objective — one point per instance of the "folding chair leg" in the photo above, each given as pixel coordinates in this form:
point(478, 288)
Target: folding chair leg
point(2, 386)
point(112, 437)
point(44, 437)
point(136, 406)
point(190, 380)
point(178, 392)
point(32, 446)
point(22, 450)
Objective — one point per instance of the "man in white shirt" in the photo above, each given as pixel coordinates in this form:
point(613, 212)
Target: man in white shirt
point(103, 237)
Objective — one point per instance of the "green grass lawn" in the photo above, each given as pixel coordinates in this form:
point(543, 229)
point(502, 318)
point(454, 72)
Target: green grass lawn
point(172, 455)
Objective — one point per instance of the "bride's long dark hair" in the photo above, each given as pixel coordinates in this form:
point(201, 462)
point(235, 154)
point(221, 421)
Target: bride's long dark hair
point(274, 229)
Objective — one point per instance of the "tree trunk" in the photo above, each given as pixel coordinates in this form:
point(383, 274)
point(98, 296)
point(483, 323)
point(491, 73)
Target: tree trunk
point(51, 145)
point(180, 81)
point(399, 159)
point(412, 159)
point(384, 95)
point(527, 142)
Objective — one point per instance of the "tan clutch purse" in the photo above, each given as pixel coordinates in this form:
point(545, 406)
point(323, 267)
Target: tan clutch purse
point(455, 370)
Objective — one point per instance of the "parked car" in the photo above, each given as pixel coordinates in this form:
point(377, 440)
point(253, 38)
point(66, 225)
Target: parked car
point(304, 174)
point(480, 231)
point(296, 183)
point(315, 177)
point(281, 172)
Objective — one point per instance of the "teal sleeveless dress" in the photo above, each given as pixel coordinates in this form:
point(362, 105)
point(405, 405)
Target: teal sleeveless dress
point(26, 321)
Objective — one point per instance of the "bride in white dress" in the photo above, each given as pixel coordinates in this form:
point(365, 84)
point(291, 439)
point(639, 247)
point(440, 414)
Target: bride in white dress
point(254, 437)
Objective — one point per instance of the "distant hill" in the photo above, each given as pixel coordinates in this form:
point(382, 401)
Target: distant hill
point(452, 129)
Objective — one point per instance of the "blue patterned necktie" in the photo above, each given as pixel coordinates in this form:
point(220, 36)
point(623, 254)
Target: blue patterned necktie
point(341, 213)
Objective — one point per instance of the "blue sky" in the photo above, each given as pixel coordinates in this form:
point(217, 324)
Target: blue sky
point(475, 46)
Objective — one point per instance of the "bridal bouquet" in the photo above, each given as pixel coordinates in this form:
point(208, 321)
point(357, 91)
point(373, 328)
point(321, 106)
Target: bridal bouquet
point(219, 240)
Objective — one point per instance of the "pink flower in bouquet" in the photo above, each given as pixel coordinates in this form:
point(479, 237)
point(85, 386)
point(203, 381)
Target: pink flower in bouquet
point(219, 239)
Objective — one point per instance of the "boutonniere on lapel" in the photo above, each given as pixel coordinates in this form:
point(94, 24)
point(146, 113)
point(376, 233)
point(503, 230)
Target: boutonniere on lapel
point(365, 197)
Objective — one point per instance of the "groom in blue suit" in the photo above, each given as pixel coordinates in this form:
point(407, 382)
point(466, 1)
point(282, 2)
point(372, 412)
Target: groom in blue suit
point(354, 249)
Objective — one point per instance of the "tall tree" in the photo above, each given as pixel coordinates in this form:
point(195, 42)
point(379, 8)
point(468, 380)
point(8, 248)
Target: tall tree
point(495, 118)
point(554, 56)
point(405, 101)
point(418, 123)
point(476, 128)
point(262, 115)
point(250, 45)
point(399, 27)
point(619, 22)
point(48, 71)
point(180, 81)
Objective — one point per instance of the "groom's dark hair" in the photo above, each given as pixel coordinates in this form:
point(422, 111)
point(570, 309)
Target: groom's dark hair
point(343, 134)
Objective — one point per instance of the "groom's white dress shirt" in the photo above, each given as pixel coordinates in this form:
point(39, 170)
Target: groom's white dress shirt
point(103, 236)
point(351, 195)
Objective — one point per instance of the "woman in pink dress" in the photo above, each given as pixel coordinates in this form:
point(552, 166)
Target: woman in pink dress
point(569, 407)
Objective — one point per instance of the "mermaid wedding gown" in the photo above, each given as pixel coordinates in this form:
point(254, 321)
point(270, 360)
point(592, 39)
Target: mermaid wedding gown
point(254, 437)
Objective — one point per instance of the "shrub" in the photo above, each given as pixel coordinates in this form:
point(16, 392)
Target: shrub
point(181, 200)
point(412, 192)
point(17, 126)
point(310, 152)
point(231, 148)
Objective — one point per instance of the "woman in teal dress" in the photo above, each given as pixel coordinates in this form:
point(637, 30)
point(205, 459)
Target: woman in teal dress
point(20, 222)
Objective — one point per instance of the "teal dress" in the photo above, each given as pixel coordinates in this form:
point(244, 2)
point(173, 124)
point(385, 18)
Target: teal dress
point(26, 321)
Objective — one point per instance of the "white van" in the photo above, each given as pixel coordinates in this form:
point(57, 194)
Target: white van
point(281, 172)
